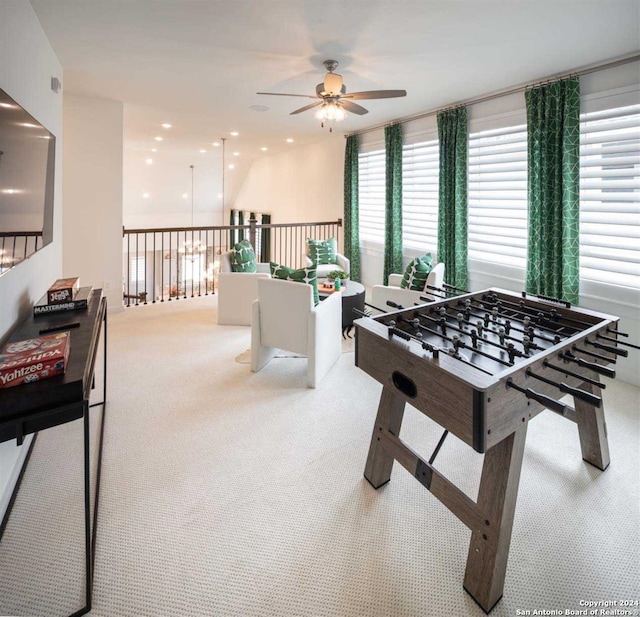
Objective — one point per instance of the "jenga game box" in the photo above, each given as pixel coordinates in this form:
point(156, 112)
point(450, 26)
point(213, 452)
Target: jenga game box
point(34, 359)
point(62, 290)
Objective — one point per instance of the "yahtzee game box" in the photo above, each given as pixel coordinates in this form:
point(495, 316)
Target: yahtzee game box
point(34, 359)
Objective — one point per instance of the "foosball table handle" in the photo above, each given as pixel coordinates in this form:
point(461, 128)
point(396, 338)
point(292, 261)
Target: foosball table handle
point(543, 399)
point(598, 368)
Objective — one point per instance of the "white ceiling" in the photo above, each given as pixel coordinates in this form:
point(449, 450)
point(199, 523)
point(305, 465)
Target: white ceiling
point(199, 63)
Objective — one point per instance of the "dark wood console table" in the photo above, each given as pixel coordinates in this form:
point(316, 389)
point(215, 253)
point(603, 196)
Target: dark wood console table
point(33, 407)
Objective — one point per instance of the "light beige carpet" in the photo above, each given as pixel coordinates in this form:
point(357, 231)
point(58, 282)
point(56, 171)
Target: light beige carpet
point(232, 494)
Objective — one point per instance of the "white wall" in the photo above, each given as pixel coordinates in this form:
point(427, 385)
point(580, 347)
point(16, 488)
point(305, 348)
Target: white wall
point(167, 181)
point(93, 194)
point(27, 63)
point(301, 184)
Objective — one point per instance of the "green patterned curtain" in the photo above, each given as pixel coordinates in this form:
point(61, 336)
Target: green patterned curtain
point(351, 207)
point(265, 247)
point(393, 201)
point(553, 133)
point(232, 234)
point(240, 222)
point(452, 199)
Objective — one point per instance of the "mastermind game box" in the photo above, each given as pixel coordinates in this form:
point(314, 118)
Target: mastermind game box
point(34, 359)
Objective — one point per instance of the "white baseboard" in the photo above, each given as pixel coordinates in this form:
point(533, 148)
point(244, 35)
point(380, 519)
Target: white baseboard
point(10, 481)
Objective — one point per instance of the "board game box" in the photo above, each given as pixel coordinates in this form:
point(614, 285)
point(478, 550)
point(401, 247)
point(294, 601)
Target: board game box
point(34, 359)
point(62, 290)
point(79, 301)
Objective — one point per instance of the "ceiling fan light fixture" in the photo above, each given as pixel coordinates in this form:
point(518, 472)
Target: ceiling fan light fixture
point(333, 84)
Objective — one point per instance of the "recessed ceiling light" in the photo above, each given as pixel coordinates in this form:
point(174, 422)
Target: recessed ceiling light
point(154, 149)
point(158, 138)
point(149, 161)
point(185, 195)
point(166, 125)
point(289, 140)
point(216, 144)
point(234, 133)
point(258, 107)
point(232, 166)
point(202, 151)
point(236, 154)
point(264, 148)
point(145, 195)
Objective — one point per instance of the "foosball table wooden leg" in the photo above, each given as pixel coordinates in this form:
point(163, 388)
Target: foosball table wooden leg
point(487, 562)
point(592, 429)
point(380, 462)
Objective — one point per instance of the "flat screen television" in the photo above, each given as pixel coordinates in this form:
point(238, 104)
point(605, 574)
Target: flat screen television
point(27, 169)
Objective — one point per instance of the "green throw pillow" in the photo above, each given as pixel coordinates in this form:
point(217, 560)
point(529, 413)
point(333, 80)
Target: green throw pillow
point(304, 275)
point(243, 257)
point(323, 252)
point(415, 275)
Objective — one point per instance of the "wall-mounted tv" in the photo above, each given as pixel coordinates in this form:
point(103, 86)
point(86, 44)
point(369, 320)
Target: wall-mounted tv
point(27, 169)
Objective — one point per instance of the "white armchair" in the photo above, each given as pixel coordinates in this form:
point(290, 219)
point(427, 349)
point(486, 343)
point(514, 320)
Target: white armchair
point(323, 269)
point(237, 291)
point(284, 317)
point(380, 294)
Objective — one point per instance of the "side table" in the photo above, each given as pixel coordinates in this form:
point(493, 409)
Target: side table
point(352, 294)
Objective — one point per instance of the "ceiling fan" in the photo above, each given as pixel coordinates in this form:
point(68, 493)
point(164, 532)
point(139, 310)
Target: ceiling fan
point(334, 100)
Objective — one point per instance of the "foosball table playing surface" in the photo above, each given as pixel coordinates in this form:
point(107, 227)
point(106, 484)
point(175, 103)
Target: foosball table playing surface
point(482, 365)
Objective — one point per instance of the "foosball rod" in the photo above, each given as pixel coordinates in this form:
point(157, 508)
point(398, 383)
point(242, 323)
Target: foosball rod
point(587, 397)
point(614, 350)
point(593, 366)
point(479, 334)
point(532, 318)
point(566, 371)
point(427, 346)
point(460, 343)
point(615, 340)
point(593, 354)
point(522, 306)
point(532, 334)
point(543, 399)
point(615, 331)
point(553, 314)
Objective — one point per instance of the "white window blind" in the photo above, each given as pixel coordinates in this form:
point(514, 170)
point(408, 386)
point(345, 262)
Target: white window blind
point(420, 196)
point(371, 181)
point(610, 196)
point(498, 196)
point(137, 268)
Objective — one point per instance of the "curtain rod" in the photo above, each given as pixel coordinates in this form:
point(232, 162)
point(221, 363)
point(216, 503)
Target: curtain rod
point(593, 68)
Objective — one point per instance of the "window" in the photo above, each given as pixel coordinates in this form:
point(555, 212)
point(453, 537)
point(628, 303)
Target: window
point(498, 195)
point(610, 196)
point(420, 196)
point(136, 272)
point(371, 192)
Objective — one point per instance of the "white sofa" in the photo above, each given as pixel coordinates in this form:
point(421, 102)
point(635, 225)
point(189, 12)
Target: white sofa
point(380, 294)
point(237, 291)
point(284, 317)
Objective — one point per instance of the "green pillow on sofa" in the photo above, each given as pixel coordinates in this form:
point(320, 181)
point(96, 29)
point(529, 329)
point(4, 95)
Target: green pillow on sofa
point(416, 273)
point(243, 257)
point(322, 252)
point(303, 275)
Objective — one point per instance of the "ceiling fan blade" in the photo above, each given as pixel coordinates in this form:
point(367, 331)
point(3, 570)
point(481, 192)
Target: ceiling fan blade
point(354, 107)
point(298, 111)
point(375, 94)
point(305, 96)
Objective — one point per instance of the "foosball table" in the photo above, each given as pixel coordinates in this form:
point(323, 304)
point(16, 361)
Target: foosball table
point(482, 365)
